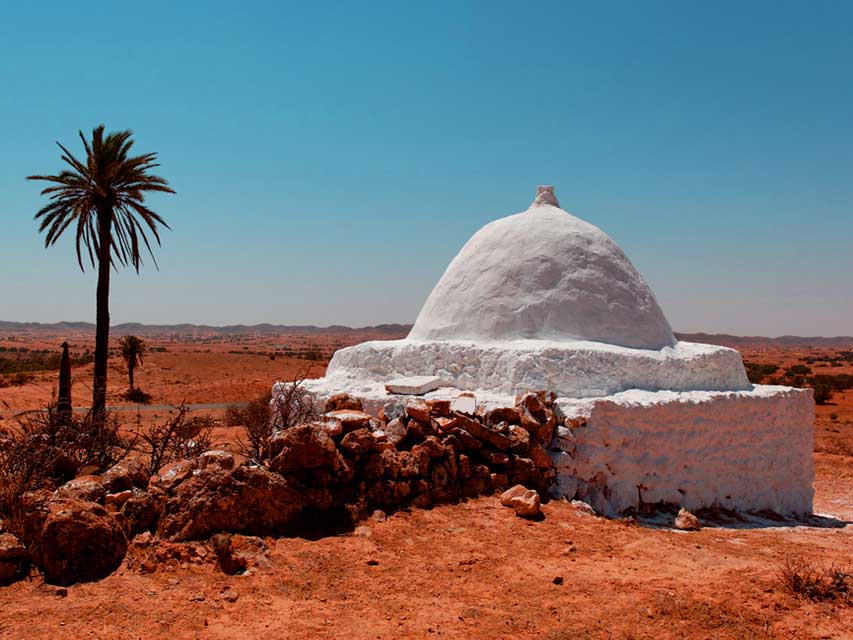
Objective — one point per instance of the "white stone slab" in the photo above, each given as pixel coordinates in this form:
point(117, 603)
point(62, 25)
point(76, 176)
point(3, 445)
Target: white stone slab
point(414, 385)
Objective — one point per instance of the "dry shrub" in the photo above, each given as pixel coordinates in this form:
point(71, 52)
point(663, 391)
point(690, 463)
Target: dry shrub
point(181, 436)
point(44, 449)
point(294, 405)
point(256, 420)
point(835, 446)
point(137, 396)
point(254, 411)
point(263, 417)
point(803, 578)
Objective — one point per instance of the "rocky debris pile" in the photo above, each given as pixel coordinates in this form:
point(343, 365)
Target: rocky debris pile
point(318, 477)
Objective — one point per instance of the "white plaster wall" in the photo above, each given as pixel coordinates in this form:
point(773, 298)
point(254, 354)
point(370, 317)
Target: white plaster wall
point(570, 369)
point(748, 451)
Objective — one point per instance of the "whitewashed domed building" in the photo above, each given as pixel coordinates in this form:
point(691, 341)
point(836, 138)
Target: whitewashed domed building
point(542, 300)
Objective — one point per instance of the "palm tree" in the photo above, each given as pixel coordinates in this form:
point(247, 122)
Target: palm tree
point(105, 196)
point(132, 350)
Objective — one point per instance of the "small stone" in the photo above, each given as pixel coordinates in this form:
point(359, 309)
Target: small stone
point(171, 475)
point(524, 501)
point(495, 457)
point(465, 403)
point(393, 410)
point(418, 409)
point(439, 408)
point(221, 459)
point(502, 414)
point(61, 592)
point(343, 401)
point(230, 596)
point(686, 521)
point(372, 562)
point(333, 427)
point(583, 507)
point(114, 501)
point(395, 431)
point(558, 580)
point(446, 425)
point(197, 597)
point(350, 419)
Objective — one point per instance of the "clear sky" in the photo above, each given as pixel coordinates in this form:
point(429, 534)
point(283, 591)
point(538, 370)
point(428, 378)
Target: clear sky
point(331, 158)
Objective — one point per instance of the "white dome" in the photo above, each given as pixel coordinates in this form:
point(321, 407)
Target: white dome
point(543, 274)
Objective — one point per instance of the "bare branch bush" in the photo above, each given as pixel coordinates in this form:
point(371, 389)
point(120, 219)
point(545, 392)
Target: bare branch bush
point(263, 417)
point(801, 577)
point(44, 449)
point(256, 420)
point(181, 436)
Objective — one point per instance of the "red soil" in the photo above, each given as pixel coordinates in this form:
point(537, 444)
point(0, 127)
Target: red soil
point(467, 570)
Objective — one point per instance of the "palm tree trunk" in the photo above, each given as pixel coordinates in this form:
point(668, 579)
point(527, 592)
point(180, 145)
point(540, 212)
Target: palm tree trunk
point(102, 315)
point(130, 367)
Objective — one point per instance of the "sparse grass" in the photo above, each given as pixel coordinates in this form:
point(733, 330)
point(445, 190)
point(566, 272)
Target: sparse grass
point(801, 577)
point(17, 380)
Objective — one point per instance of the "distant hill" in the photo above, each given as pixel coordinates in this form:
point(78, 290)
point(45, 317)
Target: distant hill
point(196, 329)
point(838, 342)
point(186, 329)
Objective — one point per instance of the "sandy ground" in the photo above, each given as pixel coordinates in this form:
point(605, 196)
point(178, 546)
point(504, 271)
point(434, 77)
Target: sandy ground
point(469, 570)
point(472, 569)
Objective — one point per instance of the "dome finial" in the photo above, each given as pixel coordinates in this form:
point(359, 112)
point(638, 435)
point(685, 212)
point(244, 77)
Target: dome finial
point(545, 195)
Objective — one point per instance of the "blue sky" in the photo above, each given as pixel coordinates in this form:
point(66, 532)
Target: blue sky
point(330, 159)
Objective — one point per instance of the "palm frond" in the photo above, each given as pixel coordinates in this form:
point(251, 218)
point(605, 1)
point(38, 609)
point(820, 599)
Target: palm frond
point(107, 188)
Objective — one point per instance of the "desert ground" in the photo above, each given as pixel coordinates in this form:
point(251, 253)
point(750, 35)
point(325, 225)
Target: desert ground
point(464, 570)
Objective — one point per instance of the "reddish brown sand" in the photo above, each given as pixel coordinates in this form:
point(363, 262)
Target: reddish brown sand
point(469, 570)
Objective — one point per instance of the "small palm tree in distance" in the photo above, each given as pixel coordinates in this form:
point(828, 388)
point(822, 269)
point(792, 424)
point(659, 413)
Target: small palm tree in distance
point(133, 348)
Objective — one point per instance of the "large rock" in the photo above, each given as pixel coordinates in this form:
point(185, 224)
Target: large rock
point(72, 540)
point(125, 475)
point(173, 474)
point(87, 488)
point(141, 511)
point(247, 500)
point(307, 446)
